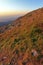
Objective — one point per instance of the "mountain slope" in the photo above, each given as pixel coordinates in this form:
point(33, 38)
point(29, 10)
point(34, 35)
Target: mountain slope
point(21, 43)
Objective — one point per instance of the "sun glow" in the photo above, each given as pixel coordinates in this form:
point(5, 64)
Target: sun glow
point(10, 13)
point(11, 7)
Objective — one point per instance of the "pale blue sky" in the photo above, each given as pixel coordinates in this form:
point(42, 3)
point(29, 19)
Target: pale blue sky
point(20, 5)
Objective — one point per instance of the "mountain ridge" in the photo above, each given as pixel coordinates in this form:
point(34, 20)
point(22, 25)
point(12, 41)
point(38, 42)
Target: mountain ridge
point(21, 42)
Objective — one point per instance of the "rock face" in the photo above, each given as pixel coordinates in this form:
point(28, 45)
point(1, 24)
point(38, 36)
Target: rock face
point(21, 42)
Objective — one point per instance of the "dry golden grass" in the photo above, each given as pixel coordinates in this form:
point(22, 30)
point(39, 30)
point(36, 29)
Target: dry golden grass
point(19, 39)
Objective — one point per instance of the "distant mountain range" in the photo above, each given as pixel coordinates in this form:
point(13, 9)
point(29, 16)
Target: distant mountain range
point(21, 42)
point(4, 20)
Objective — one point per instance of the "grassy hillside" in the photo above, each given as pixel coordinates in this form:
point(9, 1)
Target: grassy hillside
point(21, 43)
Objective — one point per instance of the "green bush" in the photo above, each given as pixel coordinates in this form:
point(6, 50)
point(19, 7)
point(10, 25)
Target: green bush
point(15, 42)
point(36, 32)
point(35, 35)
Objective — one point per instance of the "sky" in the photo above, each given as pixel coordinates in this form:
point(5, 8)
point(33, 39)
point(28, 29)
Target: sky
point(14, 7)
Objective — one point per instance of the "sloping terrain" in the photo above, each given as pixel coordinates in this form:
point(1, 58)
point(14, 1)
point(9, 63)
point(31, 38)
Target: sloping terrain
point(21, 43)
